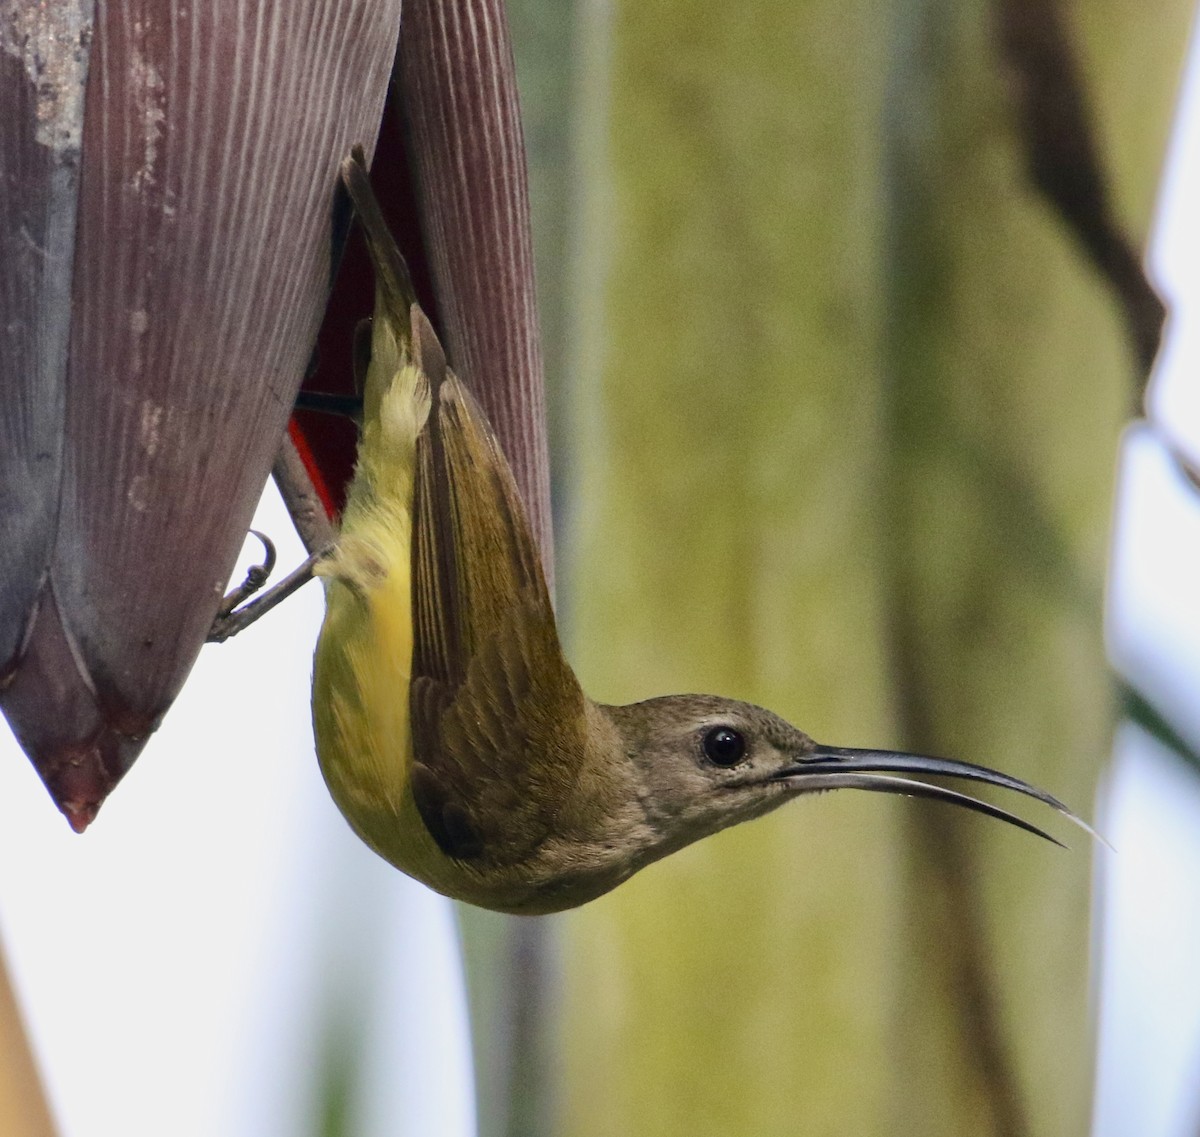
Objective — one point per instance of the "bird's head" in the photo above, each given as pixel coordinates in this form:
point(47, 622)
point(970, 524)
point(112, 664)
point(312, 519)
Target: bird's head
point(705, 763)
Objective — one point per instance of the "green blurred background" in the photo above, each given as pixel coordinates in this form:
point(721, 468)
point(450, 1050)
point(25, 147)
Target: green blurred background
point(835, 397)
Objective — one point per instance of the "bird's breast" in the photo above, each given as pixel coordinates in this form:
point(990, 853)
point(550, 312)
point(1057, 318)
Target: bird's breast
point(361, 676)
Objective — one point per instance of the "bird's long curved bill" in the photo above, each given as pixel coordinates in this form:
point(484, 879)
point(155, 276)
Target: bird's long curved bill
point(838, 767)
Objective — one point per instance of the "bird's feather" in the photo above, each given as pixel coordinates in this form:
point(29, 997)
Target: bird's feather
point(490, 685)
point(444, 705)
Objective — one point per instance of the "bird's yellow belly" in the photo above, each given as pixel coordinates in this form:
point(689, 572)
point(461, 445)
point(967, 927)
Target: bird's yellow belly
point(361, 675)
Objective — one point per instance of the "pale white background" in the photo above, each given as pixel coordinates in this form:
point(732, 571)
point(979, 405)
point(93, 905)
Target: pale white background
point(181, 966)
point(181, 963)
point(1148, 1082)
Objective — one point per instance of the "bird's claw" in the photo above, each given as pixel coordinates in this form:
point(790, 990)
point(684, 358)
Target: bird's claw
point(235, 615)
point(256, 577)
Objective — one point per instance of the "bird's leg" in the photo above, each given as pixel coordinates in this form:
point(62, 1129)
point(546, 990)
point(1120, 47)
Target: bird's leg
point(303, 501)
point(232, 619)
point(304, 504)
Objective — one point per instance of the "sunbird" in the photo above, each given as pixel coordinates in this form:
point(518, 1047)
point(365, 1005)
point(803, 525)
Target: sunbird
point(450, 729)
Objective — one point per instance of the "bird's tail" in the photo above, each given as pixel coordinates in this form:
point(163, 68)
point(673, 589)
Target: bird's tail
point(396, 395)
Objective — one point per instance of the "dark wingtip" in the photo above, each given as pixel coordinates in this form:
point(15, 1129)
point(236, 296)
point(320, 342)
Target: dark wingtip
point(354, 167)
point(391, 271)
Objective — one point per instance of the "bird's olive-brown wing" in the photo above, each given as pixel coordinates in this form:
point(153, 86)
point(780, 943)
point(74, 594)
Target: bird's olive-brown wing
point(498, 716)
point(496, 758)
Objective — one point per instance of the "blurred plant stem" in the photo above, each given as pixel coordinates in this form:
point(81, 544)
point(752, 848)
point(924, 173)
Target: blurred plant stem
point(23, 1108)
point(846, 397)
point(512, 985)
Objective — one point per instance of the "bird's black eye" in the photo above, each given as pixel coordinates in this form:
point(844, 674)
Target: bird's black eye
point(724, 746)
